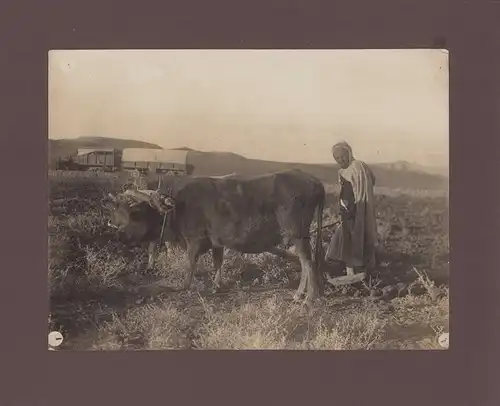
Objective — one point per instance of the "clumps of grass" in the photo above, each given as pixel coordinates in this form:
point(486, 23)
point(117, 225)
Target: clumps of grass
point(93, 270)
point(412, 310)
point(89, 223)
point(422, 318)
point(417, 322)
point(58, 283)
point(360, 329)
point(265, 325)
point(432, 342)
point(149, 327)
point(103, 268)
point(83, 255)
point(277, 324)
point(371, 283)
point(276, 270)
point(171, 269)
point(64, 259)
point(429, 285)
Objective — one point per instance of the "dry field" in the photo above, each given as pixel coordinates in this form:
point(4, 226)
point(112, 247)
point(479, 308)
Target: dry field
point(101, 297)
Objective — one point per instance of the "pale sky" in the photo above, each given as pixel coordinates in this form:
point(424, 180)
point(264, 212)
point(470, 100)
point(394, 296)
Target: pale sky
point(283, 105)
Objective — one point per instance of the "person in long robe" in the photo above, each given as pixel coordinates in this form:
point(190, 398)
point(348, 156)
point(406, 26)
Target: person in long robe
point(355, 239)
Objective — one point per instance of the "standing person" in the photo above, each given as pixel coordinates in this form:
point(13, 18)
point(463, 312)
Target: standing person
point(354, 241)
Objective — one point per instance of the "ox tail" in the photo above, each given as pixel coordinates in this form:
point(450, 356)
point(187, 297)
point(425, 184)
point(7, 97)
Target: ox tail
point(318, 260)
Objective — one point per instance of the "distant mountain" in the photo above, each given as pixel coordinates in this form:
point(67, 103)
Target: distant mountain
point(438, 170)
point(398, 174)
point(404, 166)
point(387, 175)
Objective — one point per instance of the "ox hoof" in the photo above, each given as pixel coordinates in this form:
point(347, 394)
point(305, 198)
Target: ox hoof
point(297, 297)
point(312, 301)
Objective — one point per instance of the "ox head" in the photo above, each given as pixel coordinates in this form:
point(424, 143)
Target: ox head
point(138, 215)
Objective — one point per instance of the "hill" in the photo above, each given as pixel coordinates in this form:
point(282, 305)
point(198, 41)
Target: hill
point(398, 174)
point(404, 166)
point(387, 175)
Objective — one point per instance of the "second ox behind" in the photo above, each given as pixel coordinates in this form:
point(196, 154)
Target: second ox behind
point(248, 215)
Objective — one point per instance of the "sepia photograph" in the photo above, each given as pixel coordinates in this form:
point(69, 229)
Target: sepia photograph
point(248, 199)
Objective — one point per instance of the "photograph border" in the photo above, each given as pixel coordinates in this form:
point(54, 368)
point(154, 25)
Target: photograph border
point(463, 375)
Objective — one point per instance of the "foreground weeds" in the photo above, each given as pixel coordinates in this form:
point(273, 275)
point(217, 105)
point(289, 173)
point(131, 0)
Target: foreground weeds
point(254, 323)
point(102, 298)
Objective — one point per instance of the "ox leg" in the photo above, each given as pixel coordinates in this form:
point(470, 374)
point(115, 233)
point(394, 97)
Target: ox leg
point(309, 283)
point(193, 255)
point(151, 255)
point(303, 255)
point(301, 290)
point(218, 257)
point(166, 248)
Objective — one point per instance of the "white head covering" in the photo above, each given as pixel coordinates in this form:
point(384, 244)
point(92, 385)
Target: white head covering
point(346, 148)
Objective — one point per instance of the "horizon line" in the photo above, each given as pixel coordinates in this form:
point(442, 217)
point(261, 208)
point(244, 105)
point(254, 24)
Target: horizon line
point(255, 159)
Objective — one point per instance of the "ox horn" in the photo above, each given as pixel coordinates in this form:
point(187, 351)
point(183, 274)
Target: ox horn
point(143, 197)
point(147, 196)
point(153, 198)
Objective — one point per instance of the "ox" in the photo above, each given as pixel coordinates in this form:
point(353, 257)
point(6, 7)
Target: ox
point(248, 215)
